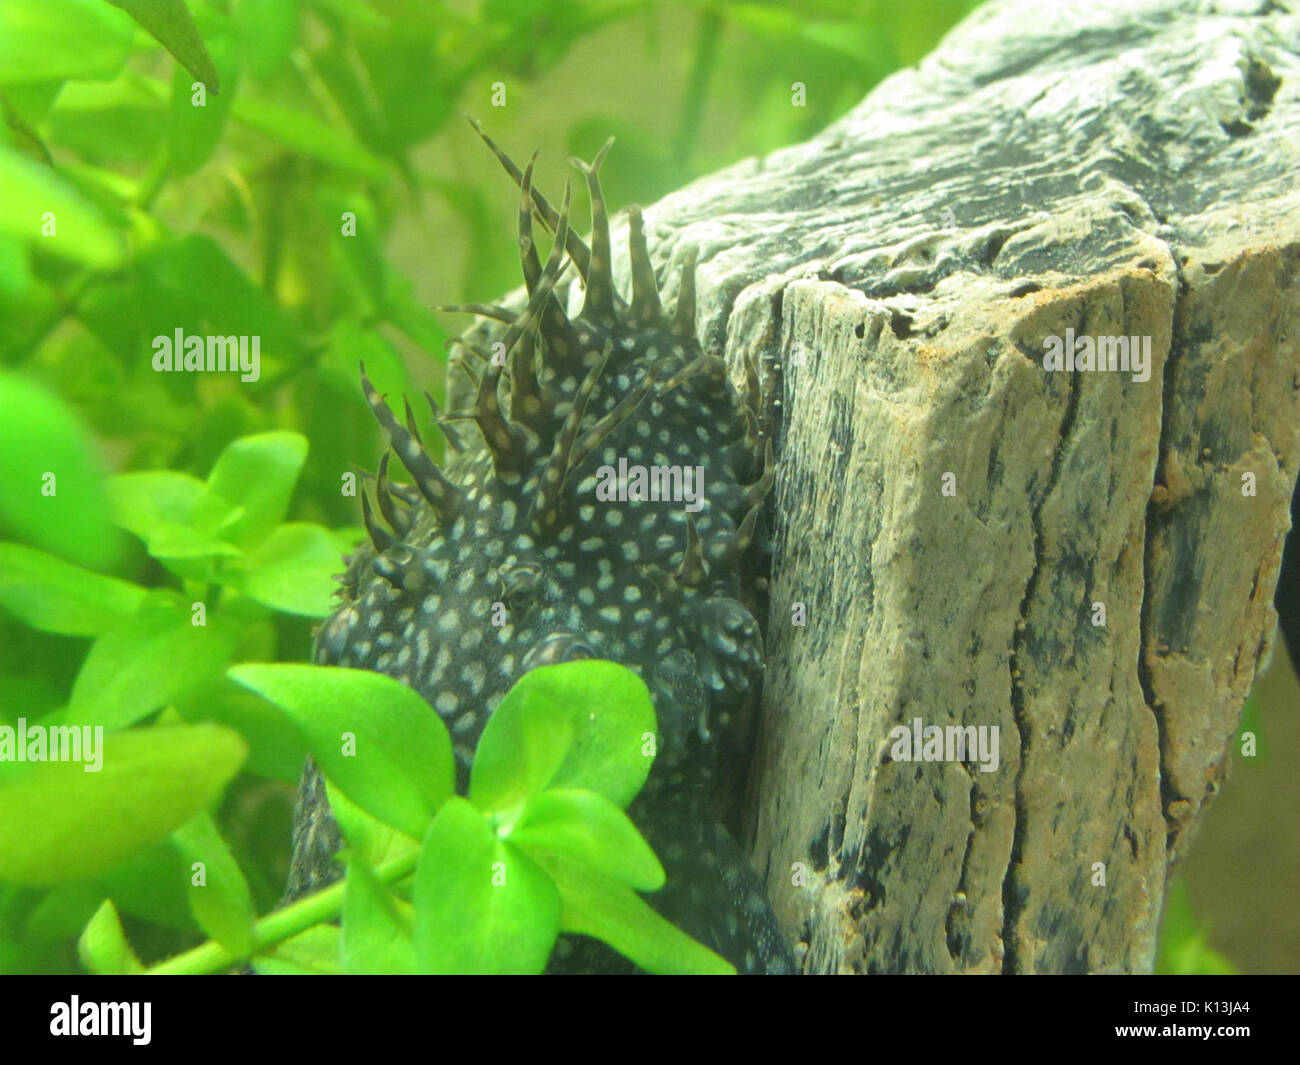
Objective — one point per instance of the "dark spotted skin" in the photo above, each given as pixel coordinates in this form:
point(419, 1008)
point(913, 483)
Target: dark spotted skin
point(510, 559)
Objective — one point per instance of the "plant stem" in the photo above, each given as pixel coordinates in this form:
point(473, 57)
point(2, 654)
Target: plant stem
point(211, 957)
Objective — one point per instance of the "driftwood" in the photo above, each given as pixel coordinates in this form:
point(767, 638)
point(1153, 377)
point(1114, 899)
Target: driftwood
point(1083, 560)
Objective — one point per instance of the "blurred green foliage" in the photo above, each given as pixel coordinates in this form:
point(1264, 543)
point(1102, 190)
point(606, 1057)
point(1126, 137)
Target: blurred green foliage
point(1184, 949)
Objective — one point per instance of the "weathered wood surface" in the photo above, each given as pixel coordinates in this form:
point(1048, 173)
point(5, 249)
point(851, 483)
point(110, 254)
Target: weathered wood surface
point(1117, 168)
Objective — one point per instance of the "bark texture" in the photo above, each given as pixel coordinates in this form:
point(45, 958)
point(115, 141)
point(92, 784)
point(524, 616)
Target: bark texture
point(1084, 560)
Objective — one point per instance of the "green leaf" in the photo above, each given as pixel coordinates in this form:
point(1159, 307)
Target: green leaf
point(1183, 944)
point(276, 749)
point(59, 822)
point(55, 39)
point(254, 475)
point(577, 725)
point(146, 661)
point(589, 829)
point(28, 105)
point(159, 506)
point(26, 693)
point(377, 927)
point(16, 278)
point(369, 840)
point(228, 303)
point(64, 911)
point(21, 133)
point(103, 948)
point(196, 119)
point(45, 211)
point(314, 952)
point(221, 904)
point(55, 596)
point(268, 30)
point(107, 131)
point(305, 133)
point(42, 436)
point(481, 905)
point(373, 737)
point(517, 760)
point(170, 24)
point(293, 570)
point(595, 905)
point(152, 886)
point(359, 254)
